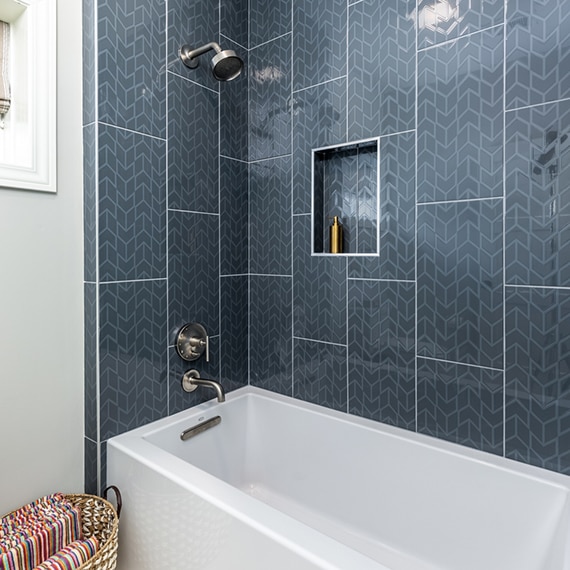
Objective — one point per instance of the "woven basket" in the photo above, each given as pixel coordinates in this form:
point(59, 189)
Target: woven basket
point(99, 519)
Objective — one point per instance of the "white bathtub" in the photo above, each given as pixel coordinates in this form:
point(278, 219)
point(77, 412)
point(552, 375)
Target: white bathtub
point(285, 485)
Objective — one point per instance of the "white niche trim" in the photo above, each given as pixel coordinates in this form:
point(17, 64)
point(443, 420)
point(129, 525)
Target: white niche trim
point(28, 141)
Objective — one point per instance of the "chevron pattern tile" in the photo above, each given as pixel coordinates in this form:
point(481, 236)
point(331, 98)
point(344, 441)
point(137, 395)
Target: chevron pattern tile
point(90, 359)
point(462, 404)
point(460, 278)
point(193, 23)
point(537, 227)
point(90, 475)
point(234, 206)
point(193, 265)
point(460, 118)
point(442, 21)
point(268, 19)
point(133, 363)
point(319, 289)
point(538, 377)
point(538, 52)
point(381, 68)
point(319, 119)
point(193, 146)
point(397, 214)
point(131, 75)
point(271, 337)
point(270, 216)
point(90, 203)
point(234, 20)
point(234, 113)
point(381, 351)
point(269, 95)
point(319, 41)
point(89, 63)
point(234, 334)
point(132, 206)
point(319, 373)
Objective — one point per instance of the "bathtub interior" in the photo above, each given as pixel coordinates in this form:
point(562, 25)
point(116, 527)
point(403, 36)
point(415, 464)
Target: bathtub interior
point(407, 502)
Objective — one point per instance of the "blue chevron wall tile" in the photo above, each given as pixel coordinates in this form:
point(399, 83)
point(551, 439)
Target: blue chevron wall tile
point(460, 119)
point(319, 289)
point(131, 74)
point(270, 216)
point(179, 399)
point(381, 68)
point(537, 52)
point(132, 205)
point(319, 373)
point(234, 21)
point(269, 99)
point(268, 19)
point(193, 266)
point(90, 474)
point(319, 120)
point(462, 404)
point(442, 21)
point(133, 356)
point(319, 41)
point(271, 347)
point(397, 213)
point(234, 113)
point(234, 326)
point(537, 227)
point(193, 146)
point(538, 377)
point(460, 282)
point(234, 207)
point(193, 23)
point(90, 202)
point(103, 465)
point(89, 62)
point(90, 360)
point(381, 351)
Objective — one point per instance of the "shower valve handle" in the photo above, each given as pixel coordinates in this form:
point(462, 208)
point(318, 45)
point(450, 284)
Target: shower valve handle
point(192, 341)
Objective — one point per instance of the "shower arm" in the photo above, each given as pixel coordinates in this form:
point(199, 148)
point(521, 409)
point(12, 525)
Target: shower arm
point(190, 56)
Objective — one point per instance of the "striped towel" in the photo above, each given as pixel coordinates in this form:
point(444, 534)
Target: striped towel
point(5, 98)
point(36, 531)
point(72, 556)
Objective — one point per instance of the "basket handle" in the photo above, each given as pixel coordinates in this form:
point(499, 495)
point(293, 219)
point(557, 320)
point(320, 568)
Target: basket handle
point(118, 498)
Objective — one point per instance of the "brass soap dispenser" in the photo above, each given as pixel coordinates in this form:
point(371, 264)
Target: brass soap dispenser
point(336, 236)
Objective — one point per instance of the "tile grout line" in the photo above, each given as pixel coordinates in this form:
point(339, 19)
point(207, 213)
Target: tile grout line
point(416, 124)
point(504, 220)
point(167, 214)
point(433, 359)
point(292, 197)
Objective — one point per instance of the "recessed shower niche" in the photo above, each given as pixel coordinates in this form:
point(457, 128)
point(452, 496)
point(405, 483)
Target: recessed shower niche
point(346, 181)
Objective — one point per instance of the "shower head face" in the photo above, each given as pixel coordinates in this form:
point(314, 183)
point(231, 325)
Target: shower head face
point(226, 65)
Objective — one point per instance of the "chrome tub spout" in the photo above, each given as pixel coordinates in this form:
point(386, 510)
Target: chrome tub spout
point(191, 380)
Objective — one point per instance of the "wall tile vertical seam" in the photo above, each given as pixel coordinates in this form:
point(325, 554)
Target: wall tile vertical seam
point(416, 221)
point(346, 268)
point(504, 142)
point(166, 213)
point(292, 197)
point(249, 329)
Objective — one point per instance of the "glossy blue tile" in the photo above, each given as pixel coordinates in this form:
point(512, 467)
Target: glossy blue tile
point(269, 99)
point(460, 118)
point(381, 351)
point(234, 205)
point(131, 74)
point(234, 21)
point(89, 62)
point(462, 404)
point(441, 21)
point(460, 282)
point(133, 357)
point(397, 214)
point(268, 19)
point(537, 226)
point(319, 120)
point(90, 202)
point(193, 266)
point(538, 377)
point(319, 41)
point(90, 291)
point(319, 289)
point(194, 23)
point(270, 216)
point(132, 205)
point(270, 357)
point(90, 474)
point(234, 127)
point(193, 146)
point(537, 52)
point(381, 68)
point(234, 331)
point(319, 373)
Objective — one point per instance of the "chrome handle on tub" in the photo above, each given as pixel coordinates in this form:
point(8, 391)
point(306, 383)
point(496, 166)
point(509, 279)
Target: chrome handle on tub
point(192, 341)
point(201, 427)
